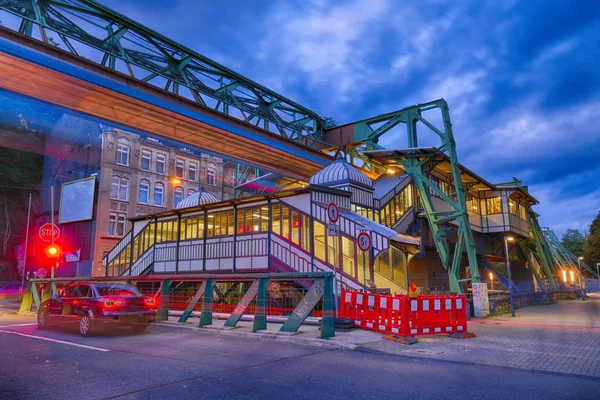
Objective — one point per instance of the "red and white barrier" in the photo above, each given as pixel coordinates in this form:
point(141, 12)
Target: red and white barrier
point(405, 316)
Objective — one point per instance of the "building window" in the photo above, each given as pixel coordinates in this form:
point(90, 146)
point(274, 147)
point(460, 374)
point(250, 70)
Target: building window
point(119, 188)
point(116, 224)
point(472, 204)
point(523, 212)
point(160, 163)
point(193, 172)
point(146, 160)
point(493, 205)
point(177, 196)
point(159, 190)
point(123, 151)
point(211, 174)
point(144, 191)
point(179, 167)
point(348, 256)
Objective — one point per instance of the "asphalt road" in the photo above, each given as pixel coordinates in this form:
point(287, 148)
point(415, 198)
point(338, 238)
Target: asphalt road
point(171, 362)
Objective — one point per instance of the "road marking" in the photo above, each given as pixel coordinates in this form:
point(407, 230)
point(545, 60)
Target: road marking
point(54, 340)
point(9, 326)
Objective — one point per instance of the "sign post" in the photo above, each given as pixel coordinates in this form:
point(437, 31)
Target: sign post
point(333, 229)
point(364, 244)
point(598, 274)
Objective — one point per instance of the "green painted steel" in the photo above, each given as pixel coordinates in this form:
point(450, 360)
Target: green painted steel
point(327, 325)
point(207, 302)
point(162, 314)
point(105, 37)
point(543, 252)
point(188, 310)
point(27, 301)
point(568, 257)
point(368, 132)
point(260, 313)
point(242, 305)
point(306, 305)
point(528, 248)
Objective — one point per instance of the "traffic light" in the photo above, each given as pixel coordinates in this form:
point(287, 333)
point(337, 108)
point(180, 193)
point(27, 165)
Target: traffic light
point(52, 251)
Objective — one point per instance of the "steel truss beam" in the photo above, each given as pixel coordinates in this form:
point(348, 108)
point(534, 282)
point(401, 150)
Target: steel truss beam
point(368, 132)
point(563, 255)
point(89, 29)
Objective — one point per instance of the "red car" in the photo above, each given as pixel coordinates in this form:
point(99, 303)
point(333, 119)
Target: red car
point(92, 305)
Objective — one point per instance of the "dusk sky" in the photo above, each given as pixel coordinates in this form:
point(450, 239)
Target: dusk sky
point(521, 77)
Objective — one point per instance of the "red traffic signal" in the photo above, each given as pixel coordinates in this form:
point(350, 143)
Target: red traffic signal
point(52, 251)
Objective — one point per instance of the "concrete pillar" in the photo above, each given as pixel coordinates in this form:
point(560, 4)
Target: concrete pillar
point(481, 302)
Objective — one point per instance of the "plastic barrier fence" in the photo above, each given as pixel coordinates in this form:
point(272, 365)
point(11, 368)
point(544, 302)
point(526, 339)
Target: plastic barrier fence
point(405, 316)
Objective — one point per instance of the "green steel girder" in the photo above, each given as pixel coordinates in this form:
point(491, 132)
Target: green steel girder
point(88, 28)
point(367, 133)
point(543, 252)
point(528, 247)
point(565, 255)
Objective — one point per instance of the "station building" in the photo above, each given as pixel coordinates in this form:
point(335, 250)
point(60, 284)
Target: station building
point(287, 231)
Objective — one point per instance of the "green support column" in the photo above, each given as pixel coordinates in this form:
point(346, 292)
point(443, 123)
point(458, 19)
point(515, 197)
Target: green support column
point(46, 292)
point(162, 314)
point(27, 301)
point(207, 301)
point(260, 316)
point(327, 329)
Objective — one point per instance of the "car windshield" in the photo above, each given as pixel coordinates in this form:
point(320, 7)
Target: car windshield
point(116, 289)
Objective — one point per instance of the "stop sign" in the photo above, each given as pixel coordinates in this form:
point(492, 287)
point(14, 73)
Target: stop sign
point(49, 232)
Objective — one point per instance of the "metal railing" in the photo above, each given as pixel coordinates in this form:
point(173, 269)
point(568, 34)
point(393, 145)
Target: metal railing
point(261, 295)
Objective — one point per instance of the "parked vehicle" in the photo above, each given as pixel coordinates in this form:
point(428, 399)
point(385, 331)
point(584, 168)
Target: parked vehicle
point(91, 306)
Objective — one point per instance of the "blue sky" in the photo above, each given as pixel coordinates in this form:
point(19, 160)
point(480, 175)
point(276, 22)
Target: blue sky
point(522, 78)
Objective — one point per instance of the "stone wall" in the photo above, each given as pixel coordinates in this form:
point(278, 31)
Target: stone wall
point(501, 303)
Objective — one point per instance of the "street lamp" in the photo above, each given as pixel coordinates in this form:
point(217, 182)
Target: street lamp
point(579, 268)
point(510, 292)
point(492, 280)
point(175, 181)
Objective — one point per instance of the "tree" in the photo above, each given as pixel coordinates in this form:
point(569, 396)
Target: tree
point(573, 240)
point(591, 250)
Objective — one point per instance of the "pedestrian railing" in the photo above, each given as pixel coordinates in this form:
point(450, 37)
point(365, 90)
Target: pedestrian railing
point(239, 294)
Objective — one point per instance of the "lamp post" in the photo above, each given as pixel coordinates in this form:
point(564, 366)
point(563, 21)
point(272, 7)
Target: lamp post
point(579, 270)
point(510, 293)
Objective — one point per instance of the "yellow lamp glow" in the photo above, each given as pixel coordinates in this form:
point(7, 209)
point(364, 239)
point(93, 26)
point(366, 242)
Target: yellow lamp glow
point(572, 274)
point(564, 275)
point(175, 181)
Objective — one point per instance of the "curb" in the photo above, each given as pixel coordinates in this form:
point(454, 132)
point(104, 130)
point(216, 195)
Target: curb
point(276, 337)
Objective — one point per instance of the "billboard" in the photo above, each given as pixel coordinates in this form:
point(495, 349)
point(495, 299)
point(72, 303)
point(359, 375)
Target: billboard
point(77, 200)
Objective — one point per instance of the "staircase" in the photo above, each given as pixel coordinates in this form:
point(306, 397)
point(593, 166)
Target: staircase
point(485, 265)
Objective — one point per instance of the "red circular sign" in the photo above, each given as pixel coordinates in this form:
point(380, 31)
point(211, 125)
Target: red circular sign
point(41, 272)
point(333, 213)
point(49, 232)
point(364, 241)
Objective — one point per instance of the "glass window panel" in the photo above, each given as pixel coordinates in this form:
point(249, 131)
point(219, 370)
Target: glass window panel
point(276, 218)
point(248, 225)
point(363, 268)
point(295, 227)
point(305, 229)
point(240, 221)
point(160, 163)
point(264, 218)
point(348, 256)
point(319, 237)
point(146, 160)
point(285, 222)
point(211, 225)
point(230, 223)
point(512, 206)
point(333, 250)
point(493, 205)
point(158, 194)
point(179, 167)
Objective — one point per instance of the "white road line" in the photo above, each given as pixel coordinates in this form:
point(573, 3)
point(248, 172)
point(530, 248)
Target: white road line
point(9, 326)
point(54, 340)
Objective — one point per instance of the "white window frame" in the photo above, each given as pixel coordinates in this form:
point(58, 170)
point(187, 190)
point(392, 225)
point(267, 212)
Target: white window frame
point(146, 155)
point(211, 174)
point(116, 190)
point(123, 150)
point(178, 189)
point(163, 161)
point(162, 194)
point(144, 184)
point(116, 219)
point(193, 167)
point(177, 166)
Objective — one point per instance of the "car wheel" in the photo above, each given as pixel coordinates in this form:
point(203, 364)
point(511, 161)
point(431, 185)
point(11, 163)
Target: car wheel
point(139, 327)
point(43, 319)
point(85, 325)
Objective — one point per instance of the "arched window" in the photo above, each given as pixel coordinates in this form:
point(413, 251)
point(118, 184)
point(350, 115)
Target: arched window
point(119, 189)
point(177, 196)
point(159, 191)
point(123, 151)
point(211, 174)
point(144, 191)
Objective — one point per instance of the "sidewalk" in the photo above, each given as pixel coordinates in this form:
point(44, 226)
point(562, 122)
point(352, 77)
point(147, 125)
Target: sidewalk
point(563, 338)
